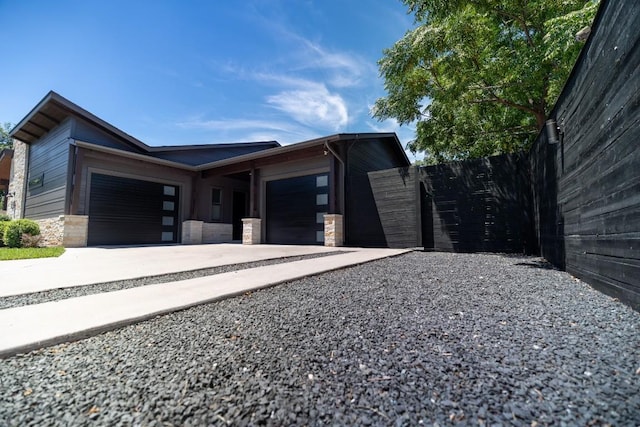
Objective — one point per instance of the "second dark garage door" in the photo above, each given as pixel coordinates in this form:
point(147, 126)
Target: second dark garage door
point(295, 209)
point(126, 211)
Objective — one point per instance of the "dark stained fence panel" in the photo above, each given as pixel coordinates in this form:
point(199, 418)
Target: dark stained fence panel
point(480, 205)
point(395, 193)
point(295, 208)
point(126, 211)
point(587, 188)
point(363, 226)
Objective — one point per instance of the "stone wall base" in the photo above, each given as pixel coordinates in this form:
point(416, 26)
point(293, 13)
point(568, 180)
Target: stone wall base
point(215, 232)
point(251, 231)
point(199, 232)
point(69, 231)
point(191, 232)
point(76, 231)
point(333, 230)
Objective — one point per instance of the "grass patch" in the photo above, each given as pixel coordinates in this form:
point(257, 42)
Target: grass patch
point(29, 253)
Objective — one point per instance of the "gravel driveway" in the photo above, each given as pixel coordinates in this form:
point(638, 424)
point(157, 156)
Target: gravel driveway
point(423, 338)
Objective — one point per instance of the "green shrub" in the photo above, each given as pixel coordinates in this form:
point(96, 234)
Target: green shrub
point(4, 218)
point(15, 229)
point(3, 226)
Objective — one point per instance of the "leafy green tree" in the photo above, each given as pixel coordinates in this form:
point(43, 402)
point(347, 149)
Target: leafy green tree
point(480, 76)
point(5, 140)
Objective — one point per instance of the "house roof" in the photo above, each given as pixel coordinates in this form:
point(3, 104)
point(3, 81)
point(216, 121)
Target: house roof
point(54, 108)
point(392, 137)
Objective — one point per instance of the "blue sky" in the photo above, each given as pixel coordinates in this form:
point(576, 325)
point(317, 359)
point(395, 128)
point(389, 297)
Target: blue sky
point(198, 72)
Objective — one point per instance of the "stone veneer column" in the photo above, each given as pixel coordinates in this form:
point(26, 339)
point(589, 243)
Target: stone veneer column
point(17, 179)
point(251, 231)
point(333, 231)
point(192, 232)
point(51, 231)
point(76, 231)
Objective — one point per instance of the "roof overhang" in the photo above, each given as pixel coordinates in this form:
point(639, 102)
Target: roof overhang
point(318, 142)
point(129, 155)
point(309, 148)
point(52, 110)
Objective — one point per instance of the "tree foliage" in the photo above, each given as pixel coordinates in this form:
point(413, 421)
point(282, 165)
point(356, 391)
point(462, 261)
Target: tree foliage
point(5, 140)
point(478, 77)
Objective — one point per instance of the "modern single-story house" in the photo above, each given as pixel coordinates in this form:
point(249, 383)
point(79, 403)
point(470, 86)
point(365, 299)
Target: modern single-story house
point(88, 183)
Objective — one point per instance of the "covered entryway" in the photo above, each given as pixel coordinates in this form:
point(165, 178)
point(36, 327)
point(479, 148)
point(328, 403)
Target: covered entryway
point(295, 209)
point(126, 211)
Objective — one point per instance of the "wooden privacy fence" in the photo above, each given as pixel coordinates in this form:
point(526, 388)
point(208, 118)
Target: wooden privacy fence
point(481, 205)
point(575, 202)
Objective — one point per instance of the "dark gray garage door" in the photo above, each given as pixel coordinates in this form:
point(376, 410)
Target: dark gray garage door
point(295, 209)
point(125, 211)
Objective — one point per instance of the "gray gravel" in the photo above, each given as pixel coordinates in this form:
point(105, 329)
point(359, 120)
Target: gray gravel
point(424, 338)
point(78, 291)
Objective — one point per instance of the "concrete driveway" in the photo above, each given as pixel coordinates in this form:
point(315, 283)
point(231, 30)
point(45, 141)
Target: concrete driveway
point(28, 327)
point(84, 266)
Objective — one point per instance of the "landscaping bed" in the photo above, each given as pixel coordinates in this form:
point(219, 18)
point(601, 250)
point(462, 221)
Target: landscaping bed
point(422, 338)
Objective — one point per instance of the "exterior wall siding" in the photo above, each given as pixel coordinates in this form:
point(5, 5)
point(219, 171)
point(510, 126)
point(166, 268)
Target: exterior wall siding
point(84, 131)
point(46, 184)
point(227, 186)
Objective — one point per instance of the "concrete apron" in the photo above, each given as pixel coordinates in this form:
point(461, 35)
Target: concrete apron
point(27, 328)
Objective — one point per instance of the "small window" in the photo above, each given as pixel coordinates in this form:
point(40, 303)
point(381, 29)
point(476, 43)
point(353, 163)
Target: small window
point(322, 199)
point(167, 221)
point(167, 236)
point(322, 181)
point(216, 204)
point(169, 190)
point(168, 205)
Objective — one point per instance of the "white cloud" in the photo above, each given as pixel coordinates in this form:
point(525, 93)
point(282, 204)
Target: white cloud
point(345, 69)
point(234, 124)
point(313, 106)
point(234, 130)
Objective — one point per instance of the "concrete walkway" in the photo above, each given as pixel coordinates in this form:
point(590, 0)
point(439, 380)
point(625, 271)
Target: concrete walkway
point(27, 328)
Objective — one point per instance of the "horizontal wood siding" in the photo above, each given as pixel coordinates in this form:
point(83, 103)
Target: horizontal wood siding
point(84, 131)
point(48, 163)
point(480, 205)
point(363, 226)
point(396, 192)
point(587, 187)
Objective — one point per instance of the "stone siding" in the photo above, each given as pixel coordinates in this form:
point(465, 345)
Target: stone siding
point(215, 232)
point(251, 231)
point(15, 206)
point(76, 231)
point(192, 232)
point(51, 231)
point(69, 231)
point(333, 230)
